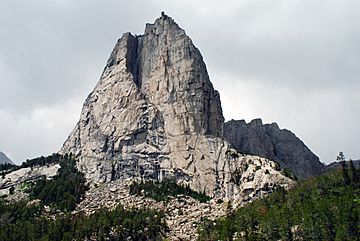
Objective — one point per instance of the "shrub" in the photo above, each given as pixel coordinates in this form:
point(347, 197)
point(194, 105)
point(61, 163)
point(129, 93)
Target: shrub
point(287, 173)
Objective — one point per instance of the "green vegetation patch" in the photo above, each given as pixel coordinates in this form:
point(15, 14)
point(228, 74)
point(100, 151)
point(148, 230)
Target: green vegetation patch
point(41, 161)
point(287, 173)
point(23, 221)
point(7, 168)
point(320, 208)
point(63, 191)
point(162, 191)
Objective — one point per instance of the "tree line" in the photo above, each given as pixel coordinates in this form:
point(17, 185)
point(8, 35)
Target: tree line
point(162, 191)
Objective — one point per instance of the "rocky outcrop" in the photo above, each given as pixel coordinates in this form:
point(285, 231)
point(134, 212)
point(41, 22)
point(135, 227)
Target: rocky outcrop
point(183, 213)
point(4, 159)
point(271, 142)
point(155, 114)
point(24, 175)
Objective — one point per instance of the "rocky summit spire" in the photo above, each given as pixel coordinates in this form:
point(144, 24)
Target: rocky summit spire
point(153, 114)
point(169, 70)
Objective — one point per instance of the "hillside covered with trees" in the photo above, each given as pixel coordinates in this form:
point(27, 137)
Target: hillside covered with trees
point(47, 214)
point(326, 207)
point(23, 221)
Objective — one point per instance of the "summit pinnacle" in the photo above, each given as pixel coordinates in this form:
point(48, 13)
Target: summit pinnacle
point(155, 114)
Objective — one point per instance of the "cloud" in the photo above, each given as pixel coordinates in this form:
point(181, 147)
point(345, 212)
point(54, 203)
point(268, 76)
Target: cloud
point(38, 132)
point(304, 45)
point(56, 49)
point(287, 61)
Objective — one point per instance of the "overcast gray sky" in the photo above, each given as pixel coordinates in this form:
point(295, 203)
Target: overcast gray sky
point(294, 62)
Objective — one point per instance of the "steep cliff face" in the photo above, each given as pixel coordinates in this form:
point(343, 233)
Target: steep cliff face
point(155, 114)
point(274, 143)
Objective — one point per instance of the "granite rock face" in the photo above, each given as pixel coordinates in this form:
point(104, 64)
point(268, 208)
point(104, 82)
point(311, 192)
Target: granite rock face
point(24, 175)
point(4, 159)
point(155, 114)
point(273, 143)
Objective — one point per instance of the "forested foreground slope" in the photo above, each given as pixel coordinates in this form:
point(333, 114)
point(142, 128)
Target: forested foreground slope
point(47, 212)
point(326, 207)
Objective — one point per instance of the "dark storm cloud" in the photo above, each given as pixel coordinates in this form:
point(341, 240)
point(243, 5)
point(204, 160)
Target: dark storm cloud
point(289, 61)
